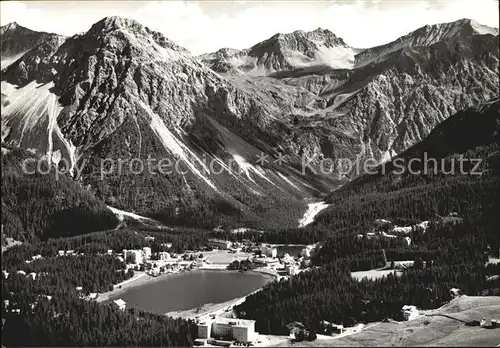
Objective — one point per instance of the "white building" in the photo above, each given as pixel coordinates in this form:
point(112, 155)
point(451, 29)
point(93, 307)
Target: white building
point(166, 245)
point(269, 251)
point(163, 255)
point(424, 225)
point(306, 252)
point(120, 303)
point(402, 229)
point(241, 330)
point(205, 329)
point(32, 275)
point(385, 235)
point(147, 252)
point(455, 292)
point(134, 256)
point(408, 241)
point(220, 244)
point(410, 312)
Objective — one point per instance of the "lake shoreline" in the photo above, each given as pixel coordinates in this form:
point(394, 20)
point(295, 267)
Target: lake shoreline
point(143, 279)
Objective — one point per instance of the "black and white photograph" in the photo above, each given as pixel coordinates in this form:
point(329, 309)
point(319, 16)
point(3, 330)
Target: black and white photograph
point(250, 173)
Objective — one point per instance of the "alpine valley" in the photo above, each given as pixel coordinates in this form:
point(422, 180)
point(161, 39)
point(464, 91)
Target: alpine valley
point(260, 138)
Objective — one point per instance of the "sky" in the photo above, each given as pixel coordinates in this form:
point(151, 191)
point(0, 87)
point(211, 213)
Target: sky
point(206, 26)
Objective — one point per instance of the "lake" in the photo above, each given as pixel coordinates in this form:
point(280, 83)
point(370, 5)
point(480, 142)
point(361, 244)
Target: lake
point(192, 289)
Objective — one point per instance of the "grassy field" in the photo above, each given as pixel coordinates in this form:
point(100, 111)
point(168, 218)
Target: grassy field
point(427, 330)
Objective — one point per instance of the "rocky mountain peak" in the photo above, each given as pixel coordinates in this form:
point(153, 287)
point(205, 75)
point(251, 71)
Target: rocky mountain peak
point(8, 27)
point(284, 52)
point(128, 30)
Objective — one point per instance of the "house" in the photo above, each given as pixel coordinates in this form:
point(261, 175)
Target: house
point(388, 235)
point(401, 229)
point(5, 274)
point(407, 241)
point(331, 328)
point(21, 273)
point(149, 239)
point(60, 252)
point(454, 292)
point(70, 252)
point(307, 251)
point(37, 257)
point(269, 251)
point(485, 323)
point(295, 327)
point(163, 255)
point(79, 288)
point(32, 275)
point(134, 256)
point(110, 251)
point(220, 244)
point(410, 312)
point(120, 304)
point(423, 226)
point(166, 245)
point(147, 252)
point(382, 223)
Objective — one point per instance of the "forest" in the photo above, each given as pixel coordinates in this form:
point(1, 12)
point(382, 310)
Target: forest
point(457, 259)
point(41, 206)
point(49, 215)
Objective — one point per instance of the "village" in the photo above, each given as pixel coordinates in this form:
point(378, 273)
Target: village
point(221, 327)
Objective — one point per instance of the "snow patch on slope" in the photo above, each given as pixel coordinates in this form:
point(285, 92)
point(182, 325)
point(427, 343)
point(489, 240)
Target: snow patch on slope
point(175, 146)
point(312, 210)
point(5, 62)
point(120, 214)
point(32, 107)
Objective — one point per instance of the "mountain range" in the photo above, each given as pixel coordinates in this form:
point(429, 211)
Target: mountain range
point(123, 91)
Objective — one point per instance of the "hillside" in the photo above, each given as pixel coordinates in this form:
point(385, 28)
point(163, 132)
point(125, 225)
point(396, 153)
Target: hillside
point(395, 192)
point(41, 206)
point(427, 331)
point(124, 92)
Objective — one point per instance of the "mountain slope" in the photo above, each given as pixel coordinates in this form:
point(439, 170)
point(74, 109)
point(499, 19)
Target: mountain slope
point(392, 96)
point(16, 40)
point(124, 92)
point(41, 206)
point(428, 178)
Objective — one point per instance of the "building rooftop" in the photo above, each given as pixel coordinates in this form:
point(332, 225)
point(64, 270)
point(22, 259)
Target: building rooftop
point(120, 302)
point(213, 240)
point(229, 321)
point(409, 308)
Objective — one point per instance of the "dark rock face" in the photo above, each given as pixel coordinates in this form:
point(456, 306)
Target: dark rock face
point(123, 91)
